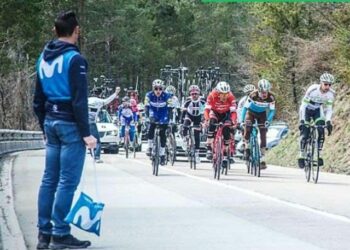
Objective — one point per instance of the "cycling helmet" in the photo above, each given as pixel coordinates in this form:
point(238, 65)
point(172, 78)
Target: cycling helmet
point(194, 89)
point(126, 99)
point(248, 88)
point(264, 85)
point(326, 77)
point(223, 87)
point(170, 89)
point(157, 83)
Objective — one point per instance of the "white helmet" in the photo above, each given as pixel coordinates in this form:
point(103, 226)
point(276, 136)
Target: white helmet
point(223, 87)
point(326, 77)
point(264, 85)
point(157, 83)
point(194, 88)
point(170, 89)
point(248, 88)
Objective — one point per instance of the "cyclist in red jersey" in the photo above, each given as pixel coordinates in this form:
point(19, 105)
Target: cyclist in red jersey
point(221, 107)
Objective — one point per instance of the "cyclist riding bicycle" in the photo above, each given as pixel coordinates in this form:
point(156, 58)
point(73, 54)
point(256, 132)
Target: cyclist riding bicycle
point(192, 112)
point(158, 108)
point(256, 106)
point(221, 107)
point(175, 104)
point(317, 105)
point(246, 90)
point(126, 117)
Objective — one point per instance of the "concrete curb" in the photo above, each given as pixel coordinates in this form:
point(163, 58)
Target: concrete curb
point(10, 231)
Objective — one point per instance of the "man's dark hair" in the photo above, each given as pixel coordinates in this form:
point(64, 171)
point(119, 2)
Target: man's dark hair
point(65, 23)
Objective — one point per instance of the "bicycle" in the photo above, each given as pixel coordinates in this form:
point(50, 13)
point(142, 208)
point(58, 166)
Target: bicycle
point(253, 162)
point(218, 151)
point(191, 154)
point(312, 161)
point(155, 150)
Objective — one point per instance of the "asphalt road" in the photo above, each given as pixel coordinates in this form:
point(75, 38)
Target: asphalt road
point(188, 209)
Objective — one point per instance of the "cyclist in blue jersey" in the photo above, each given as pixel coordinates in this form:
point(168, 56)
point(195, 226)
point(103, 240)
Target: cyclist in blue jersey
point(255, 107)
point(157, 109)
point(126, 116)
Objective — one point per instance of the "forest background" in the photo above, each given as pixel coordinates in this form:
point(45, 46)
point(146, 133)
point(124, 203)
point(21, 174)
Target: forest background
point(290, 44)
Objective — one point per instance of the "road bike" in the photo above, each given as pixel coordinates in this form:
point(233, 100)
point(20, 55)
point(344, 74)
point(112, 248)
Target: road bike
point(312, 160)
point(253, 162)
point(218, 151)
point(191, 147)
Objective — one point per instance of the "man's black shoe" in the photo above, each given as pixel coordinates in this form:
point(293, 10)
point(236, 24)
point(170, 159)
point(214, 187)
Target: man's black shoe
point(162, 160)
point(68, 241)
point(43, 241)
point(301, 163)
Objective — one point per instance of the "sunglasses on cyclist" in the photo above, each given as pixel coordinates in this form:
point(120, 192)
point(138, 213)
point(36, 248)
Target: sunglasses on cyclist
point(158, 89)
point(194, 94)
point(327, 84)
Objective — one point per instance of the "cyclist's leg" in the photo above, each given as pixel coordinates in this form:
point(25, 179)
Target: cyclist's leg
point(211, 130)
point(247, 131)
point(186, 124)
point(319, 120)
point(304, 135)
point(132, 132)
point(162, 134)
point(150, 135)
point(261, 117)
point(122, 133)
point(196, 122)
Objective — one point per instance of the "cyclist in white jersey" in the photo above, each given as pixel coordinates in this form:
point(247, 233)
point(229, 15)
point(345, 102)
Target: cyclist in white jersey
point(317, 105)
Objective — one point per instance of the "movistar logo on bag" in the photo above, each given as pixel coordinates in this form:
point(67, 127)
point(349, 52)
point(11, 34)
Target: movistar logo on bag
point(49, 69)
point(86, 214)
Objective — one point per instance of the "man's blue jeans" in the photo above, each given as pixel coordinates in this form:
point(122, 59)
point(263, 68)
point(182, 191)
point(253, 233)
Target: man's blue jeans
point(94, 133)
point(65, 155)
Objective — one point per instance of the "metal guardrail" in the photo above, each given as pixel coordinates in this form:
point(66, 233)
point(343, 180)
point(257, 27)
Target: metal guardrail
point(18, 140)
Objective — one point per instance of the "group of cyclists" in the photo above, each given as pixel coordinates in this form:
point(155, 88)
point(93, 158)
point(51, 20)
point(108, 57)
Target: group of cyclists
point(162, 108)
point(219, 107)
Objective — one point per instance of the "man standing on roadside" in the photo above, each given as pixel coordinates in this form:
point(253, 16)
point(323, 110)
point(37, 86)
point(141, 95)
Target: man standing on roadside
point(61, 105)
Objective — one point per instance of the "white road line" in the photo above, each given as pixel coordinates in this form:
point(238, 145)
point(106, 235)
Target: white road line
point(256, 194)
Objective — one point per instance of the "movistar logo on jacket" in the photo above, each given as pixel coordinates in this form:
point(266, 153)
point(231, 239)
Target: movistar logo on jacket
point(54, 76)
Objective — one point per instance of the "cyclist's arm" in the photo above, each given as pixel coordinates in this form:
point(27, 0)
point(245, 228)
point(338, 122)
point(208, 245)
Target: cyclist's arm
point(208, 107)
point(328, 110)
point(272, 111)
point(147, 106)
point(233, 109)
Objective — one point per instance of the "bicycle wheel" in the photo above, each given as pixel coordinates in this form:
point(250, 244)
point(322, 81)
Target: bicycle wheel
point(156, 158)
point(218, 153)
point(315, 160)
point(308, 161)
point(134, 145)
